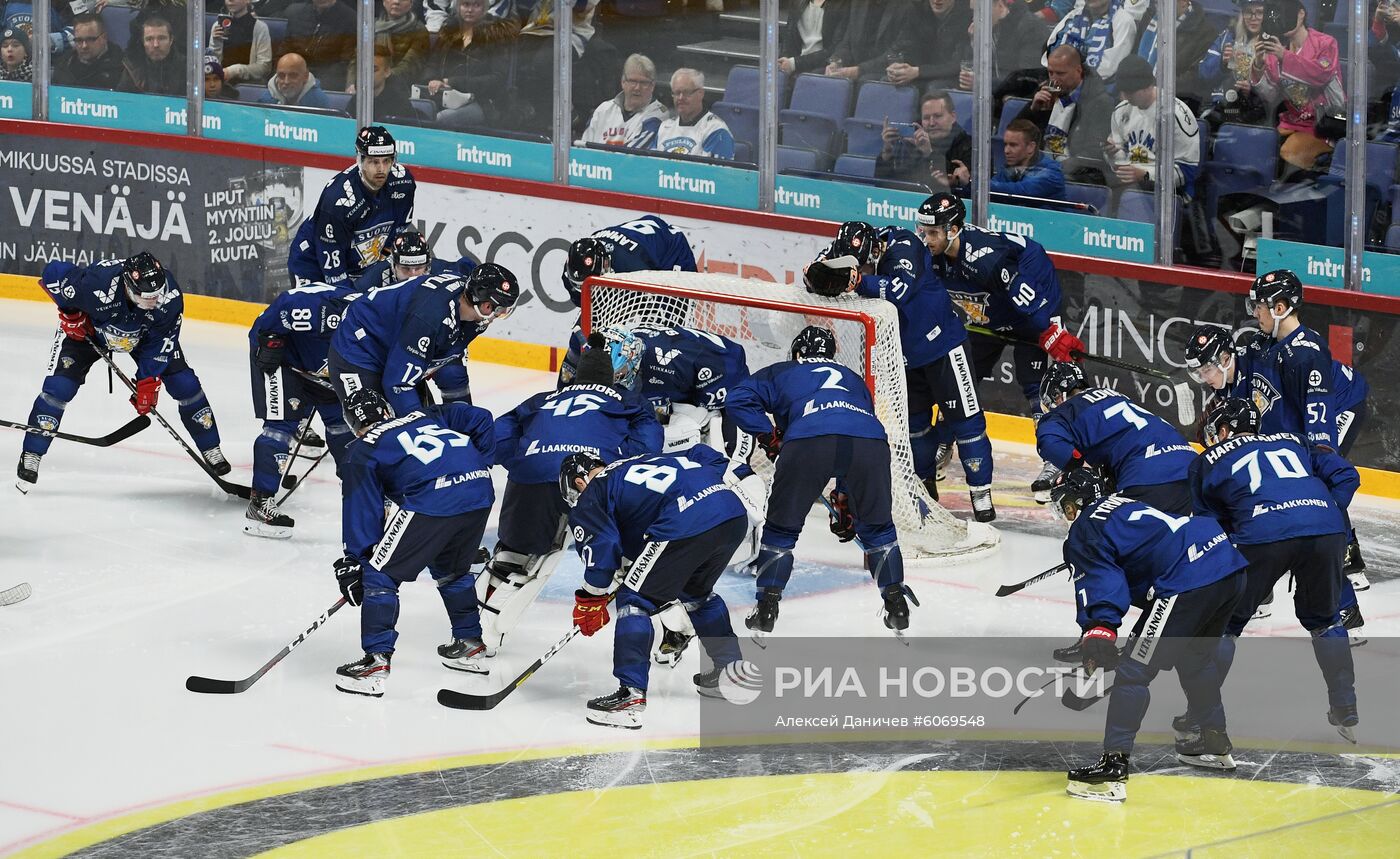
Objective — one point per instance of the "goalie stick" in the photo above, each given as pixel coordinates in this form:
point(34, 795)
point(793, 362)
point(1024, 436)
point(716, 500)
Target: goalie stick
point(1008, 590)
point(126, 431)
point(231, 488)
point(210, 686)
point(1185, 396)
point(18, 593)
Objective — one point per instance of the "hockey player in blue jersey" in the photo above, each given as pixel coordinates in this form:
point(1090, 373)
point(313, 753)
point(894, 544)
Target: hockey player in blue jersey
point(1145, 457)
point(409, 257)
point(288, 346)
point(1187, 578)
point(896, 266)
point(679, 522)
point(397, 337)
point(1004, 282)
point(823, 426)
point(432, 468)
point(357, 215)
point(592, 415)
point(1300, 356)
point(1281, 501)
point(133, 306)
point(645, 244)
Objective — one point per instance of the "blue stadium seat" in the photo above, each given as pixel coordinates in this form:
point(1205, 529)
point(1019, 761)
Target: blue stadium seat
point(962, 103)
point(1380, 183)
point(276, 31)
point(1135, 205)
point(424, 107)
point(1244, 157)
point(1392, 237)
point(118, 20)
point(741, 87)
point(855, 165)
point(863, 136)
point(340, 100)
point(1093, 195)
point(1010, 109)
point(742, 120)
point(876, 102)
point(248, 92)
point(797, 158)
point(818, 108)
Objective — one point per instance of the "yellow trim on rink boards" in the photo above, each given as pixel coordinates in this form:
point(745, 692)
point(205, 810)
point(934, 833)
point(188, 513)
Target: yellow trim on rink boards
point(532, 356)
point(900, 813)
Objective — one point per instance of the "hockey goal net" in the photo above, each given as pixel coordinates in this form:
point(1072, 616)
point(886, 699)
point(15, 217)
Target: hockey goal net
point(764, 317)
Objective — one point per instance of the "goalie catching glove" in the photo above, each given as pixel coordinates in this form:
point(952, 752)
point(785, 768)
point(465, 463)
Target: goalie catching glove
point(350, 579)
point(590, 611)
point(1060, 344)
point(843, 524)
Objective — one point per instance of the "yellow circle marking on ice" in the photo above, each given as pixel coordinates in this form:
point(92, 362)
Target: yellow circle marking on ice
point(897, 814)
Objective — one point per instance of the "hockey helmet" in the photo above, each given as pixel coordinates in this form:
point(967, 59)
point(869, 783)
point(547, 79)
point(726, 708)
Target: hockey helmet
point(493, 283)
point(813, 342)
point(410, 250)
point(576, 466)
point(1075, 490)
point(1237, 413)
point(588, 257)
point(830, 277)
point(1272, 287)
point(625, 349)
point(1209, 347)
point(364, 409)
point(375, 141)
point(1061, 378)
point(857, 239)
point(144, 279)
point(942, 210)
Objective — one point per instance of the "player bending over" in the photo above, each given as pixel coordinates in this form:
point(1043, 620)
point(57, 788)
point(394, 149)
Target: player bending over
point(410, 257)
point(1145, 457)
point(592, 416)
point(432, 469)
point(1187, 577)
point(675, 516)
point(1282, 504)
point(823, 426)
point(133, 306)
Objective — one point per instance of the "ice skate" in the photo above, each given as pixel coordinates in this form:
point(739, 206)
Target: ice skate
point(1344, 719)
point(1266, 608)
point(1210, 749)
point(28, 472)
point(707, 683)
point(263, 519)
point(365, 676)
point(982, 508)
point(941, 459)
point(1105, 781)
point(1355, 567)
point(308, 436)
point(672, 647)
point(1352, 621)
point(764, 614)
point(1185, 728)
point(1040, 487)
point(214, 458)
point(896, 610)
point(621, 709)
point(1073, 654)
point(464, 654)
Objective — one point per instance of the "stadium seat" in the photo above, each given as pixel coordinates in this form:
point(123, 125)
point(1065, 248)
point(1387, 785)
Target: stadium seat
point(876, 102)
point(855, 166)
point(863, 136)
point(1392, 238)
point(1093, 195)
point(250, 92)
point(339, 100)
point(1010, 109)
point(276, 31)
point(425, 108)
point(1135, 205)
point(1244, 157)
point(1380, 184)
point(118, 20)
point(797, 158)
point(742, 120)
point(819, 107)
point(962, 103)
point(742, 86)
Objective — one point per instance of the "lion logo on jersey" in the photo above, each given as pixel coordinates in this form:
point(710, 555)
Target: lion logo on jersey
point(371, 248)
point(973, 305)
point(1263, 394)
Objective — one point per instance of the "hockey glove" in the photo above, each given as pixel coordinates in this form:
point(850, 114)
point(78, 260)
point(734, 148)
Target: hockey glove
point(147, 392)
point(771, 442)
point(843, 524)
point(1098, 649)
point(350, 579)
point(1059, 344)
point(590, 611)
point(268, 356)
point(75, 325)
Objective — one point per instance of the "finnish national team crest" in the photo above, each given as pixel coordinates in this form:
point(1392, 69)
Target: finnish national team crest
point(294, 403)
point(205, 417)
point(1263, 394)
point(973, 305)
point(121, 341)
point(66, 362)
point(48, 423)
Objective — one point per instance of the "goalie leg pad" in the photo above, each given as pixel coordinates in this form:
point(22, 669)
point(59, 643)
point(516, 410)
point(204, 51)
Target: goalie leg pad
point(686, 428)
point(753, 492)
point(512, 588)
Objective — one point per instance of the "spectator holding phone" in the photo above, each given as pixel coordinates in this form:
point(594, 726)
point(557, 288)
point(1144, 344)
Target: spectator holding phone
point(936, 152)
point(1300, 68)
point(1225, 69)
point(242, 43)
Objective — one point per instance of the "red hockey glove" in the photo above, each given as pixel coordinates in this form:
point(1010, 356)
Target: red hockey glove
point(147, 392)
point(590, 611)
point(843, 524)
point(1099, 649)
point(771, 442)
point(75, 325)
point(1059, 344)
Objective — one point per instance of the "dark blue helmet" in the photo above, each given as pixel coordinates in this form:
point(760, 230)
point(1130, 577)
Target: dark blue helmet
point(857, 239)
point(942, 210)
point(493, 283)
point(1237, 413)
point(1061, 378)
point(814, 342)
point(1274, 286)
point(588, 257)
point(576, 466)
point(410, 249)
point(1075, 490)
point(364, 409)
point(375, 141)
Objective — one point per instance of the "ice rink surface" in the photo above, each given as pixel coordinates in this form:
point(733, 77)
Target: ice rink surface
point(142, 576)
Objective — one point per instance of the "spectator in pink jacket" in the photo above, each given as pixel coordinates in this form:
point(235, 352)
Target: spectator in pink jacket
point(1302, 69)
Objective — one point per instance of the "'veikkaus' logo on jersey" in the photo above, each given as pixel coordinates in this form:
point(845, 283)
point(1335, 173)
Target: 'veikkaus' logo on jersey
point(664, 358)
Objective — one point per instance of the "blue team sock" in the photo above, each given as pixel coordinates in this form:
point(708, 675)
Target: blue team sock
point(270, 450)
point(379, 614)
point(711, 621)
point(1127, 705)
point(459, 598)
point(632, 641)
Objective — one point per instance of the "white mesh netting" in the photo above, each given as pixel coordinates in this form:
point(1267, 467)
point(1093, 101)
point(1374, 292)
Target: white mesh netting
point(765, 317)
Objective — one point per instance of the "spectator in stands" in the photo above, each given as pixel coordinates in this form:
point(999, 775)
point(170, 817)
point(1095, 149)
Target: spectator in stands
point(1132, 140)
point(397, 28)
point(160, 67)
point(865, 50)
point(1301, 69)
point(632, 117)
point(469, 68)
point(323, 33)
point(244, 47)
point(173, 12)
point(1224, 70)
point(812, 31)
point(693, 130)
point(1018, 37)
point(1103, 31)
point(931, 44)
point(1193, 37)
point(14, 56)
point(293, 85)
point(937, 153)
point(19, 15)
point(595, 64)
point(1383, 43)
point(1029, 171)
point(1054, 10)
point(92, 63)
point(391, 94)
point(1073, 111)
point(216, 88)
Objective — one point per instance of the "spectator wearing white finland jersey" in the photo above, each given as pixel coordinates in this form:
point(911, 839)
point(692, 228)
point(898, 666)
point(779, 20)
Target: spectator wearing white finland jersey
point(632, 117)
point(1132, 139)
point(693, 130)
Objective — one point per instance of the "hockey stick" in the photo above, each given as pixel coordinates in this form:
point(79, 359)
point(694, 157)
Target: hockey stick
point(211, 686)
point(18, 593)
point(1185, 402)
point(468, 701)
point(1077, 704)
point(300, 480)
point(289, 480)
point(231, 488)
point(1008, 590)
point(123, 432)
